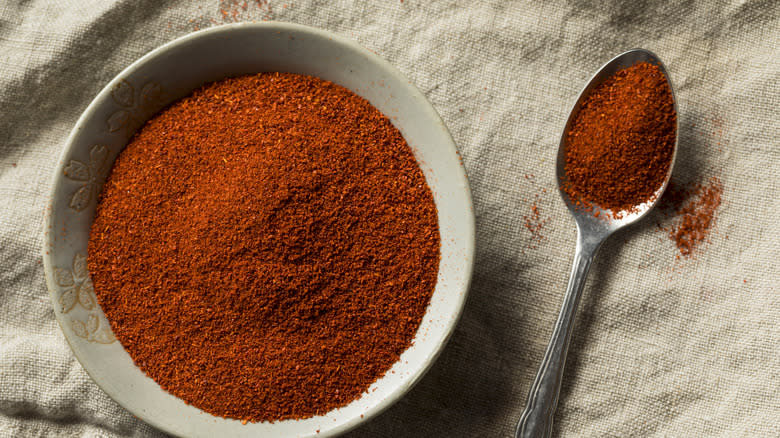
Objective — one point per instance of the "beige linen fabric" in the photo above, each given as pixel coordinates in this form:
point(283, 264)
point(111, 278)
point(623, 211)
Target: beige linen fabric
point(662, 348)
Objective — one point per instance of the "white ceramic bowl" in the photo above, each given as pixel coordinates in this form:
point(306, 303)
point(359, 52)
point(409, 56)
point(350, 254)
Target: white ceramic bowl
point(174, 71)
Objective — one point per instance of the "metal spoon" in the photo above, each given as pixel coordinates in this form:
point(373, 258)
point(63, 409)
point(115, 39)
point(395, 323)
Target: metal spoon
point(537, 419)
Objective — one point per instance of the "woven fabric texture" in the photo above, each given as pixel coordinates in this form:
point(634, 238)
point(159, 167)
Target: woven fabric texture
point(663, 346)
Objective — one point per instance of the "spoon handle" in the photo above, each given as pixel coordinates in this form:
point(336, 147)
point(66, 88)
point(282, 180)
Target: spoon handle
point(537, 419)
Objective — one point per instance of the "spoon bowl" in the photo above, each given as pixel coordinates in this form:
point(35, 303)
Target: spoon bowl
point(606, 221)
point(594, 225)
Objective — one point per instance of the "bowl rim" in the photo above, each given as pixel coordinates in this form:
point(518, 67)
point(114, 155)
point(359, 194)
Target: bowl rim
point(468, 238)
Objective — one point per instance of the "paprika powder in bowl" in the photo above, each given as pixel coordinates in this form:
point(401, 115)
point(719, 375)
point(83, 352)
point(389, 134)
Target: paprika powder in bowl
point(294, 56)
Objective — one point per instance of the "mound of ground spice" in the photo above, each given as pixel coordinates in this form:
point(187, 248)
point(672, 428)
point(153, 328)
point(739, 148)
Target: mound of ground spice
point(265, 249)
point(621, 143)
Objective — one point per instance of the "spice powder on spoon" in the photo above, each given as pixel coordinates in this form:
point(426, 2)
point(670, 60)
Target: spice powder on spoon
point(621, 142)
point(265, 248)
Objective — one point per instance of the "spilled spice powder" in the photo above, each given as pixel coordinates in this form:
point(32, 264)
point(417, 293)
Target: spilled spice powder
point(266, 248)
point(621, 142)
point(694, 208)
point(231, 11)
point(534, 222)
point(234, 11)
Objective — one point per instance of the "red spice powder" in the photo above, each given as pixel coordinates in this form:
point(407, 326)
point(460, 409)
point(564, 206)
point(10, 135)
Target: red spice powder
point(534, 223)
point(695, 209)
point(234, 11)
point(621, 143)
point(265, 249)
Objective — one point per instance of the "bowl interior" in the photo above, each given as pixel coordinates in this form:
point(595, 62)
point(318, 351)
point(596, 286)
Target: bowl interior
point(174, 71)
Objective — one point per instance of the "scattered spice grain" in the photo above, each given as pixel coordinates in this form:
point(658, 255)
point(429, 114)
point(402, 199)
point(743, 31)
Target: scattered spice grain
point(535, 224)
